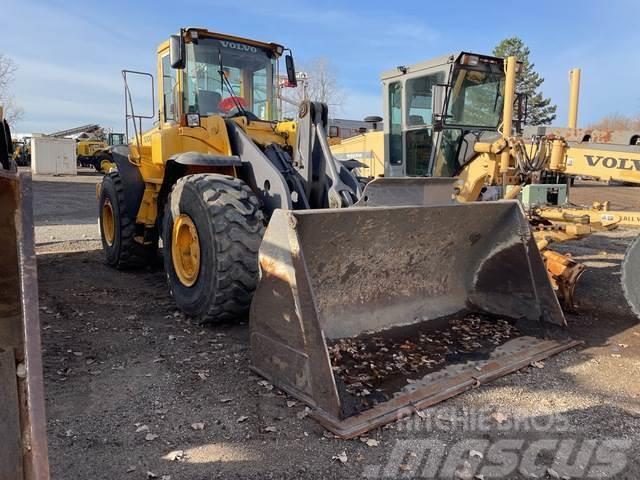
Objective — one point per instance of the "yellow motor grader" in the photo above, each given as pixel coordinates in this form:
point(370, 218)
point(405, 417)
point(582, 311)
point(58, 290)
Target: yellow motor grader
point(453, 116)
point(253, 211)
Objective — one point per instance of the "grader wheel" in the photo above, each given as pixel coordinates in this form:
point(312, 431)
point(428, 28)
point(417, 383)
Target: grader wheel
point(212, 230)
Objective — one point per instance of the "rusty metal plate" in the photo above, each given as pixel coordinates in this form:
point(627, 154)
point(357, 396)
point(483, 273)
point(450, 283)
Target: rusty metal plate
point(11, 451)
point(20, 327)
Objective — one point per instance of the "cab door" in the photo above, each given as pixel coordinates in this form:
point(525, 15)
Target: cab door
point(393, 139)
point(418, 135)
point(169, 103)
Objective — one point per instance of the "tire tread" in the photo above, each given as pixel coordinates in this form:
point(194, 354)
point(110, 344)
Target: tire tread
point(238, 222)
point(132, 254)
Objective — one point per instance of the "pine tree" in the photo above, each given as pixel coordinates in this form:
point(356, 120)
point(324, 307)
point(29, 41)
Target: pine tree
point(540, 110)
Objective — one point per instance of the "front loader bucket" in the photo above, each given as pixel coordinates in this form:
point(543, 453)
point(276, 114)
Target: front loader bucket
point(23, 451)
point(367, 313)
point(631, 276)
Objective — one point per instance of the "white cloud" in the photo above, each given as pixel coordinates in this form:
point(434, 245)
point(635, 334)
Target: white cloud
point(69, 61)
point(353, 28)
point(71, 75)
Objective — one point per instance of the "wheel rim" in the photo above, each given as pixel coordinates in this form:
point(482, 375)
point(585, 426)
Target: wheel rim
point(108, 222)
point(185, 250)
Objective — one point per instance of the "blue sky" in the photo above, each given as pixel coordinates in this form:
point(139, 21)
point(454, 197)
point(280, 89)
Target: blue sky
point(70, 53)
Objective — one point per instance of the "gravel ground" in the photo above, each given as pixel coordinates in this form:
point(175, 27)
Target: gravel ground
point(135, 390)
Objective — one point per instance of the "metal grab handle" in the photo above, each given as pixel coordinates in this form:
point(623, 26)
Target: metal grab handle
point(128, 105)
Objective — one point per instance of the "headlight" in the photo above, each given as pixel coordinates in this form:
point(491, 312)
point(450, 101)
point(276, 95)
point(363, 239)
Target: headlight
point(193, 119)
point(471, 60)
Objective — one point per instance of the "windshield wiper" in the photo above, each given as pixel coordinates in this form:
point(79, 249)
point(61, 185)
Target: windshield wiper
point(225, 81)
point(495, 102)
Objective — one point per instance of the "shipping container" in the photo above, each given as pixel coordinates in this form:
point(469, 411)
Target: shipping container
point(53, 156)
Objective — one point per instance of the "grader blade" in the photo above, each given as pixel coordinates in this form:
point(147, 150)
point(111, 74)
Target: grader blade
point(23, 454)
point(631, 276)
point(367, 313)
point(403, 191)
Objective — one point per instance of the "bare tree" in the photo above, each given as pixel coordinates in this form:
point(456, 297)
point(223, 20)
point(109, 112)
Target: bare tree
point(12, 111)
point(318, 82)
point(617, 122)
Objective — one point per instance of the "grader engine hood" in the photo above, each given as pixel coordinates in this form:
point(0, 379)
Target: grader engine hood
point(457, 295)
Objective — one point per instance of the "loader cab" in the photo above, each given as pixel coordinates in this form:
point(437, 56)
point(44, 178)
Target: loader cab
point(436, 110)
point(114, 139)
point(206, 74)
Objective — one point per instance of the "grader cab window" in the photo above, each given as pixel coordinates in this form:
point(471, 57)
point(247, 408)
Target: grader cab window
point(476, 98)
point(395, 123)
point(446, 162)
point(419, 134)
point(227, 78)
point(419, 99)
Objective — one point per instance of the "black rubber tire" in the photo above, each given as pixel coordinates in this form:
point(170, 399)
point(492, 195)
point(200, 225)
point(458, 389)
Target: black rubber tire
point(96, 160)
point(230, 226)
point(125, 252)
point(5, 146)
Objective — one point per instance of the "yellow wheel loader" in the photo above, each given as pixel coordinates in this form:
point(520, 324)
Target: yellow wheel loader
point(22, 152)
point(95, 152)
point(210, 175)
point(257, 212)
point(86, 149)
point(453, 117)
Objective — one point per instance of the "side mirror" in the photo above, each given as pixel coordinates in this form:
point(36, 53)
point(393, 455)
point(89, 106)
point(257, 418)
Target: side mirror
point(291, 70)
point(438, 106)
point(176, 51)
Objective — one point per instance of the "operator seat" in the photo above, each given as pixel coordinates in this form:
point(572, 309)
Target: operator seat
point(416, 120)
point(208, 102)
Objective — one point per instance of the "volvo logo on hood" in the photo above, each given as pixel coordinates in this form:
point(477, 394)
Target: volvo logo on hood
point(613, 162)
point(239, 46)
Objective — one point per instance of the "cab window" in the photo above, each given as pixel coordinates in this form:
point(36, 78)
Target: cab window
point(395, 123)
point(419, 99)
point(447, 163)
point(168, 85)
point(419, 134)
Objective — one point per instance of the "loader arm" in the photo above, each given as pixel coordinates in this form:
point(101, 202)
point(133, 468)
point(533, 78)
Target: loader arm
point(327, 182)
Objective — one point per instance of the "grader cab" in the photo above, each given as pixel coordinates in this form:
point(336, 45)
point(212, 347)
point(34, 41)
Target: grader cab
point(459, 116)
point(219, 168)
